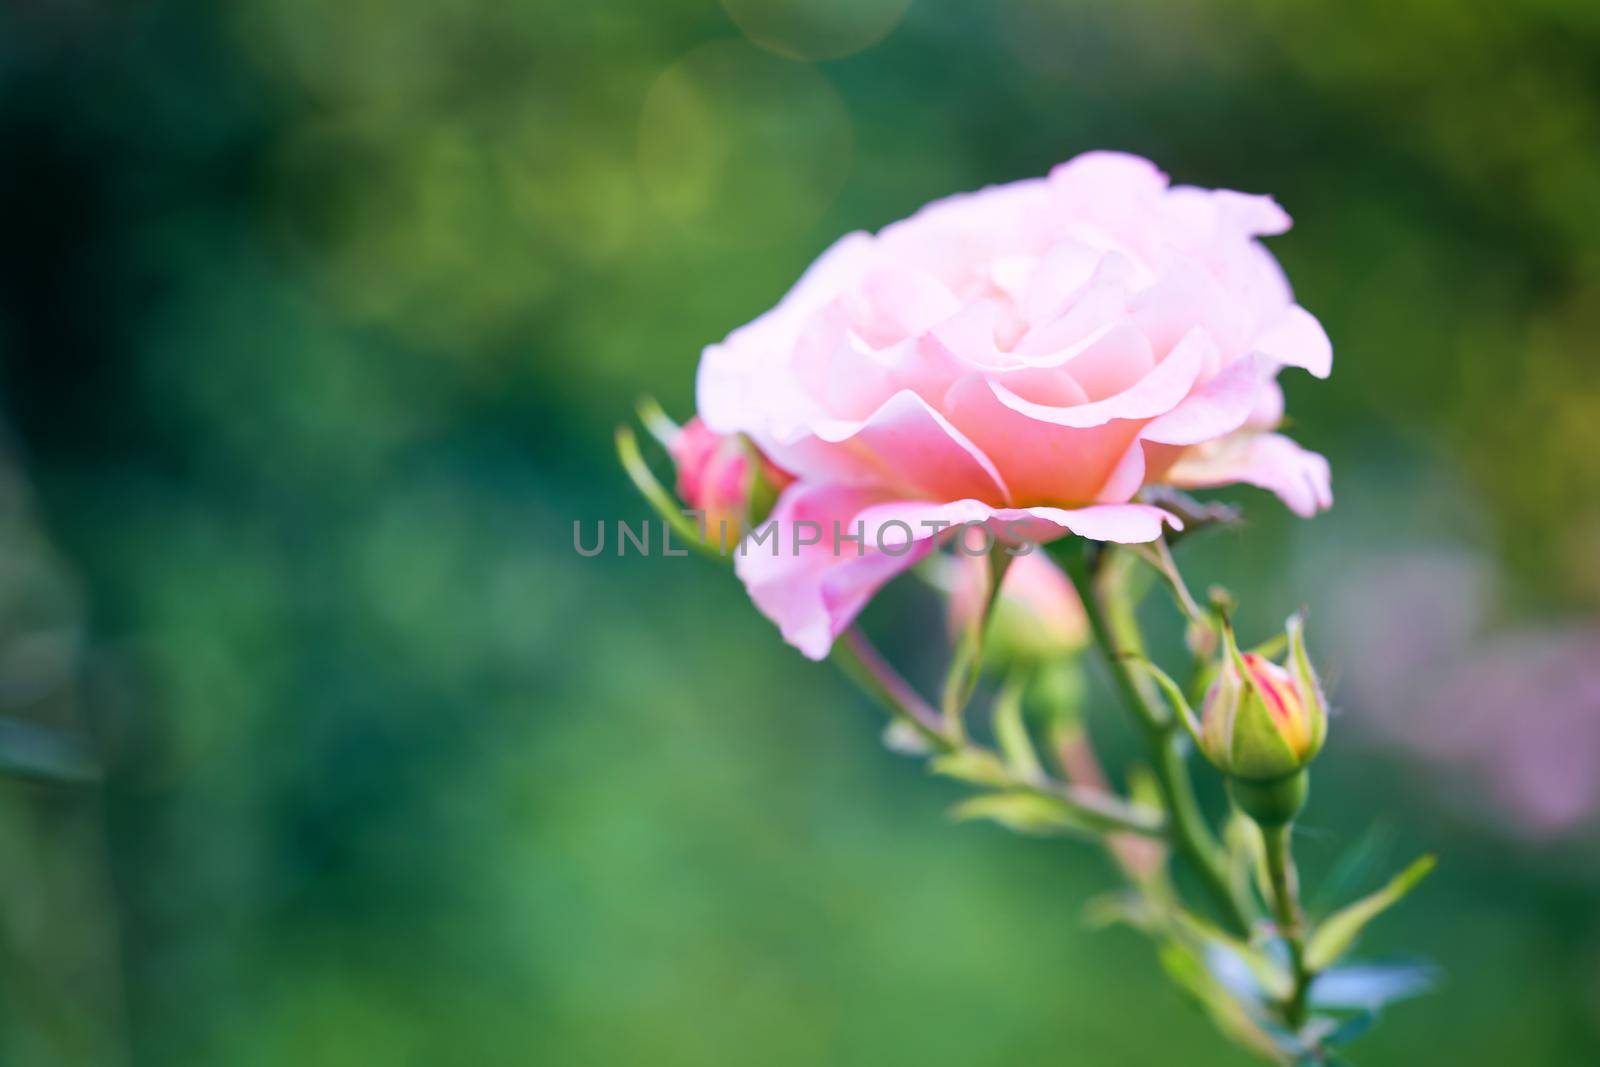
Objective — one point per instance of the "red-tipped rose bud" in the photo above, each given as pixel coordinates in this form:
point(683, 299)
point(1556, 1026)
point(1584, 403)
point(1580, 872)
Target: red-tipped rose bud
point(726, 478)
point(1262, 724)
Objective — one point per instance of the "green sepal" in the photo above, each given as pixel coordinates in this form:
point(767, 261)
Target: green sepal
point(1172, 690)
point(656, 495)
point(1305, 678)
point(761, 496)
point(1253, 744)
point(656, 421)
point(1259, 751)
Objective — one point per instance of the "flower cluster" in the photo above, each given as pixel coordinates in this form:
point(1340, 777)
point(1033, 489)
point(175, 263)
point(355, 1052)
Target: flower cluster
point(1049, 364)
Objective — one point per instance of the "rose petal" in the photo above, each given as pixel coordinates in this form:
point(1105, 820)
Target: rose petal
point(905, 447)
point(1296, 339)
point(1047, 462)
point(1156, 393)
point(1271, 461)
point(814, 591)
point(1215, 409)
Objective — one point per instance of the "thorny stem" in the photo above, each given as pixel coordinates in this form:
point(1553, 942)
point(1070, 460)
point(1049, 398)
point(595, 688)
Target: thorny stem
point(1116, 631)
point(865, 665)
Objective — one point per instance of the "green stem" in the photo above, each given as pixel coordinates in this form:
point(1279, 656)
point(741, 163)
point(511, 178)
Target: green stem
point(867, 667)
point(1286, 911)
point(1116, 631)
point(961, 680)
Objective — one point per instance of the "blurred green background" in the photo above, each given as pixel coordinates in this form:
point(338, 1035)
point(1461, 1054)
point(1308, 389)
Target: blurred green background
point(316, 321)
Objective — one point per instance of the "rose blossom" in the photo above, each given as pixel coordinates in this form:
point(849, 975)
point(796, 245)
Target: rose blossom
point(1028, 356)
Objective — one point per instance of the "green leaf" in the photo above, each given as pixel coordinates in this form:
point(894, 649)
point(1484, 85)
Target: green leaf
point(1339, 931)
point(1189, 972)
point(1120, 908)
point(973, 766)
point(1354, 867)
point(1219, 948)
point(1371, 986)
point(1024, 812)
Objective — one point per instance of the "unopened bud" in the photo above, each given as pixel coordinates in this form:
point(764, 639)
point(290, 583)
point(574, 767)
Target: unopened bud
point(726, 478)
point(1036, 619)
point(1262, 723)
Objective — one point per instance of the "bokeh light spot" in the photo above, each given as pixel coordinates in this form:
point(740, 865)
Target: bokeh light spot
point(816, 29)
point(742, 147)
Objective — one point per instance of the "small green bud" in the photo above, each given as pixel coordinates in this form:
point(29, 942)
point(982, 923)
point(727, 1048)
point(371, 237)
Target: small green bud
point(1036, 620)
point(1262, 722)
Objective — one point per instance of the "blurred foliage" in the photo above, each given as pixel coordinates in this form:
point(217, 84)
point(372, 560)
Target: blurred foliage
point(316, 318)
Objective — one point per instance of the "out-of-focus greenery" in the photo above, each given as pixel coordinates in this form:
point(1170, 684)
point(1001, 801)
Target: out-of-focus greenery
point(317, 317)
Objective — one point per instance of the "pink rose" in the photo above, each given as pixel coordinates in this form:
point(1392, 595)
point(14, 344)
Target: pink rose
point(1028, 356)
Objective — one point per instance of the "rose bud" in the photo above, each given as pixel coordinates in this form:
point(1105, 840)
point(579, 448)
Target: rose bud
point(716, 476)
point(1262, 723)
point(1036, 619)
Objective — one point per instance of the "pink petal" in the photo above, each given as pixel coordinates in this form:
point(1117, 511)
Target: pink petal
point(1122, 523)
point(1215, 409)
point(1300, 479)
point(1296, 339)
point(1155, 393)
point(748, 373)
point(905, 443)
point(1186, 296)
point(1044, 461)
point(895, 302)
point(1268, 410)
point(1113, 364)
point(1104, 175)
point(1251, 213)
point(815, 591)
point(1126, 478)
